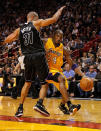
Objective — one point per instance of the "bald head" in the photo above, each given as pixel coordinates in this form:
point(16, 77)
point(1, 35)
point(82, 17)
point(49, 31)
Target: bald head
point(58, 32)
point(32, 16)
point(57, 37)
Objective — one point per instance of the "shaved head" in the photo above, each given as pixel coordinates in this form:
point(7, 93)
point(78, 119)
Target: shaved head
point(58, 32)
point(31, 16)
point(58, 37)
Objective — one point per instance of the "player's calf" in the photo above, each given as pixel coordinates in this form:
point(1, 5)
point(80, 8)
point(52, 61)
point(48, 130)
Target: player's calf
point(19, 112)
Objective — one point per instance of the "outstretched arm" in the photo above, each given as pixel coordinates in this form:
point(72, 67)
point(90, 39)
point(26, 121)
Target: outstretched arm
point(49, 21)
point(71, 63)
point(66, 53)
point(12, 37)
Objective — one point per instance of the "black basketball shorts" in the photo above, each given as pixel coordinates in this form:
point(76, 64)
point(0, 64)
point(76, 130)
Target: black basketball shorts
point(36, 65)
point(53, 77)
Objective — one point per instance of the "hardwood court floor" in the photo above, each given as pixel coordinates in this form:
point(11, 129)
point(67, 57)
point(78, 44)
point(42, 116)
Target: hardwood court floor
point(88, 118)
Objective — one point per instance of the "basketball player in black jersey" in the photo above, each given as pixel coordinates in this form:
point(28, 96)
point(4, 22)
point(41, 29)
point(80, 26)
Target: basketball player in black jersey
point(34, 52)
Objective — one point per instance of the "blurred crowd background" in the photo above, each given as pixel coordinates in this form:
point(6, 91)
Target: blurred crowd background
point(81, 25)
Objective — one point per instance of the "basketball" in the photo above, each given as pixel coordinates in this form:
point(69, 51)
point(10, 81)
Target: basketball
point(86, 84)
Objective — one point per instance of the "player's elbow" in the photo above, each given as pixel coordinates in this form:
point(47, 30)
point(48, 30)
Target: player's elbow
point(54, 19)
point(48, 22)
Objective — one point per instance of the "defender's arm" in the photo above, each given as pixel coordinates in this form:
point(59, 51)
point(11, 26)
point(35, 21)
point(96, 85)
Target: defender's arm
point(49, 21)
point(71, 63)
point(12, 37)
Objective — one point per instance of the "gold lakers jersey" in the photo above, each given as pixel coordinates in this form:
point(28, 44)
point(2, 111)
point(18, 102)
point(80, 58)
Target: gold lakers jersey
point(54, 55)
point(55, 60)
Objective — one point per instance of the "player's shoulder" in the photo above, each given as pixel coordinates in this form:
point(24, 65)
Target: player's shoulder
point(37, 21)
point(61, 45)
point(49, 40)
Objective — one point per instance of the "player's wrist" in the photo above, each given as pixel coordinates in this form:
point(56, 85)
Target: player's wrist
point(74, 66)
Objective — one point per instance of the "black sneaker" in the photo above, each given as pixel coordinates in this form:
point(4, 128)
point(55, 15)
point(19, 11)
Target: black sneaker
point(19, 112)
point(64, 109)
point(78, 106)
point(41, 108)
point(73, 109)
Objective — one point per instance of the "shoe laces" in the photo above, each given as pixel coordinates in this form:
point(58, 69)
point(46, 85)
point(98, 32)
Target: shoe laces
point(43, 106)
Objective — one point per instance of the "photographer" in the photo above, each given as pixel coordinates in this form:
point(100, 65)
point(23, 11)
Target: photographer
point(19, 71)
point(7, 81)
point(98, 83)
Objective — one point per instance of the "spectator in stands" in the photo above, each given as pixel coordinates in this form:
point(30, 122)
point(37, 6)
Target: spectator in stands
point(19, 70)
point(68, 72)
point(91, 73)
point(85, 59)
point(79, 43)
point(70, 75)
point(93, 36)
point(98, 83)
point(75, 30)
point(99, 53)
point(84, 56)
point(73, 45)
point(7, 82)
point(92, 60)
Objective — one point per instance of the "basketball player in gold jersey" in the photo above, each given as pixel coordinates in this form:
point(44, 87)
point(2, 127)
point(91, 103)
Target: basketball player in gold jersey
point(34, 52)
point(54, 53)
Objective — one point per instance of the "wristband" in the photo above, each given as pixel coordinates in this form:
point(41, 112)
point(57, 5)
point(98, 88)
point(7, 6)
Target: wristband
point(74, 66)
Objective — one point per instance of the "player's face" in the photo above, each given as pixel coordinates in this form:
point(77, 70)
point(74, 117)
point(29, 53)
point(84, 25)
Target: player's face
point(58, 38)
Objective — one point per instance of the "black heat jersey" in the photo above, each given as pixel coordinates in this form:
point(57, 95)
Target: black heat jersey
point(30, 40)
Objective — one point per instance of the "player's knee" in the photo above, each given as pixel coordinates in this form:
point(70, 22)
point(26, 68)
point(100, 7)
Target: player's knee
point(28, 84)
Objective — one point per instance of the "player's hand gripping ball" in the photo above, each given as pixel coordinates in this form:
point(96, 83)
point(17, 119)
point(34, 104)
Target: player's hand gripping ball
point(86, 84)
